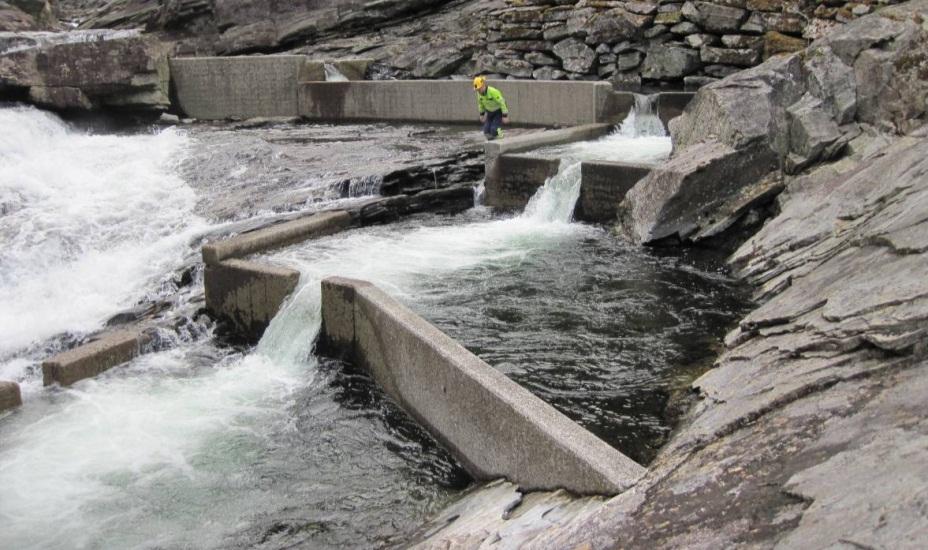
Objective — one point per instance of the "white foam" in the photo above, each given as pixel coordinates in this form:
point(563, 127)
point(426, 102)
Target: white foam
point(89, 222)
point(80, 467)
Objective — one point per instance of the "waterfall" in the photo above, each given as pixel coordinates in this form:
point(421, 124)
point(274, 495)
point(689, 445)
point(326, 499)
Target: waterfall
point(555, 201)
point(332, 74)
point(640, 137)
point(480, 193)
point(365, 186)
point(643, 120)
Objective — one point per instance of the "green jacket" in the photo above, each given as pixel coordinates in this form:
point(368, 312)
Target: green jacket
point(491, 101)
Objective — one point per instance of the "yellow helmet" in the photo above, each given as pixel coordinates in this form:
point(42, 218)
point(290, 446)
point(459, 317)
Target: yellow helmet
point(479, 82)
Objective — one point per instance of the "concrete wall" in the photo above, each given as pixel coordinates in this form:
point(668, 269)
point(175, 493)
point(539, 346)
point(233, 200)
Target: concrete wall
point(225, 87)
point(212, 88)
point(103, 353)
point(10, 397)
point(496, 175)
point(247, 295)
point(519, 178)
point(603, 185)
point(276, 236)
point(543, 103)
point(494, 427)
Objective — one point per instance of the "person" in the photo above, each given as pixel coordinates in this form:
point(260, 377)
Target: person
point(492, 108)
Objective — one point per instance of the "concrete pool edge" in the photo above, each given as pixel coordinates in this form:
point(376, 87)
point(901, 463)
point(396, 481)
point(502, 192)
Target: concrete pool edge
point(101, 353)
point(494, 426)
point(10, 396)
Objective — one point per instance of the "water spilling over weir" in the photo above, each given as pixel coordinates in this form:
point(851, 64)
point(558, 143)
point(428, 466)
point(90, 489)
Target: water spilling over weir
point(211, 447)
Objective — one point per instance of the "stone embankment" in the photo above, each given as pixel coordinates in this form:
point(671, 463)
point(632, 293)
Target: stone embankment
point(651, 42)
point(632, 43)
point(811, 429)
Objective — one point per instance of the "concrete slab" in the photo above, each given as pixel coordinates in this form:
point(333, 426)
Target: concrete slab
point(603, 185)
point(494, 427)
point(247, 295)
point(519, 177)
point(215, 88)
point(101, 354)
point(508, 190)
point(276, 236)
point(10, 396)
point(545, 103)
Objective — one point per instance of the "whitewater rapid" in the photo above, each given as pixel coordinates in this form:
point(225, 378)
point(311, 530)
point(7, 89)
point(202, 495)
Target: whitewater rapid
point(90, 225)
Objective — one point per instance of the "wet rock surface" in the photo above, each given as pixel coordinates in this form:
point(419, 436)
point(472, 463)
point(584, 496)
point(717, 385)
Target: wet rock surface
point(253, 167)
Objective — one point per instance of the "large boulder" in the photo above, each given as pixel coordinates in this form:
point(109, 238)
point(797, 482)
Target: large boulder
point(670, 63)
point(715, 16)
point(685, 194)
point(575, 56)
point(88, 70)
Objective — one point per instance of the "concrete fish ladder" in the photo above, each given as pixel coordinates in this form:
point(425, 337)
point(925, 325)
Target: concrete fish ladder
point(495, 427)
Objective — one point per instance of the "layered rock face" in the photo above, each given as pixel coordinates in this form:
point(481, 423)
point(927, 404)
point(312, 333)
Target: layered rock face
point(811, 430)
point(86, 70)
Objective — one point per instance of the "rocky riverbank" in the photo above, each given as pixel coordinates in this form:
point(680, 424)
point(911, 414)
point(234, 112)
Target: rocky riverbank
point(640, 44)
point(811, 429)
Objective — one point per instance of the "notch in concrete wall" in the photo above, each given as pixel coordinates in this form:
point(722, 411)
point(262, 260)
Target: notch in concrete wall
point(244, 296)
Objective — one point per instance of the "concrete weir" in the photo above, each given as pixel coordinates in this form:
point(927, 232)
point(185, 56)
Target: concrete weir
point(100, 354)
point(10, 396)
point(247, 295)
point(495, 427)
point(211, 88)
point(539, 103)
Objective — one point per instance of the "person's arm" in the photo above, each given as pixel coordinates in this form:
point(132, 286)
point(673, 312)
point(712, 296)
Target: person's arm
point(498, 97)
point(480, 110)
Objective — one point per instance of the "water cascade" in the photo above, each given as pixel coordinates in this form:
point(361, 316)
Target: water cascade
point(332, 74)
point(84, 243)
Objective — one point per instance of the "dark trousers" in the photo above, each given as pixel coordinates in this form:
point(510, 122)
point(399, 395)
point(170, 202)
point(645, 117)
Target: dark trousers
point(492, 123)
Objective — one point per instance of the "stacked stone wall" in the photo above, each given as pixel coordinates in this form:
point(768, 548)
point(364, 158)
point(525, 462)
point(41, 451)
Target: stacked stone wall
point(643, 43)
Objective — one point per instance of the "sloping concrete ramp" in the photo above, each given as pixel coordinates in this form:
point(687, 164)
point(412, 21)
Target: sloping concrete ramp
point(495, 427)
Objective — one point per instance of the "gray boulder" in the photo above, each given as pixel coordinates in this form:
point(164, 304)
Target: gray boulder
point(575, 56)
point(685, 194)
point(730, 56)
point(15, 19)
point(670, 62)
point(714, 17)
point(487, 63)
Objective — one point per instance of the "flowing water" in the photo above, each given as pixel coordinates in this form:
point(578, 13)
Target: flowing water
point(332, 74)
point(89, 224)
point(203, 446)
point(641, 139)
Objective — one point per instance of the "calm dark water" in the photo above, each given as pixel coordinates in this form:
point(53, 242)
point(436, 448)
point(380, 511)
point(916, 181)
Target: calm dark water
point(603, 331)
